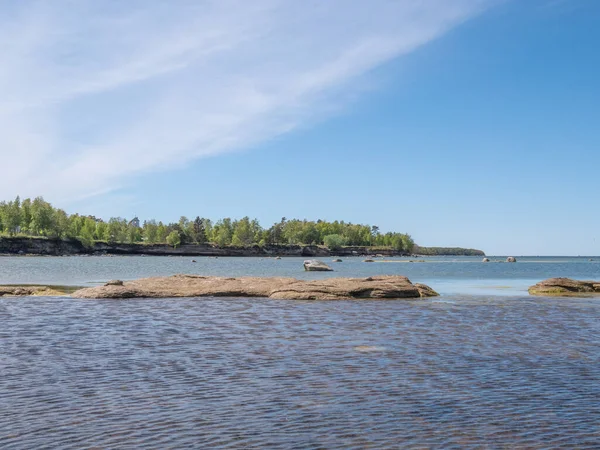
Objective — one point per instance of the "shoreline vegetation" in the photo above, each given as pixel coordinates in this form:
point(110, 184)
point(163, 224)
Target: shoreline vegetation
point(35, 227)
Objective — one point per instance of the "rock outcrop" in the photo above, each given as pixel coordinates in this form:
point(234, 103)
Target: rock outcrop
point(313, 265)
point(565, 287)
point(23, 291)
point(377, 287)
point(58, 247)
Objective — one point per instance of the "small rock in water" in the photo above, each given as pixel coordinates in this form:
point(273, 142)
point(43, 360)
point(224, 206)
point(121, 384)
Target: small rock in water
point(278, 257)
point(369, 348)
point(368, 260)
point(193, 260)
point(486, 260)
point(337, 260)
point(313, 265)
point(511, 259)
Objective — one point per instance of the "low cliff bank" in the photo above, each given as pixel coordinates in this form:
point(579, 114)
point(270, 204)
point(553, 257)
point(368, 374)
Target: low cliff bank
point(65, 247)
point(59, 247)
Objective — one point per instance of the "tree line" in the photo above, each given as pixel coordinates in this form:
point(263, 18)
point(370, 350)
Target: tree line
point(38, 218)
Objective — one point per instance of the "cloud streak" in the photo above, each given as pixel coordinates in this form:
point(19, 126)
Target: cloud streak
point(93, 93)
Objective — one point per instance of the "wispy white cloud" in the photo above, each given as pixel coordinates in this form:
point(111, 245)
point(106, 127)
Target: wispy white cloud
point(92, 93)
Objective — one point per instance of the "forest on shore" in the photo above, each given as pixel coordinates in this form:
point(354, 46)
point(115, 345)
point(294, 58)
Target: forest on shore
point(38, 218)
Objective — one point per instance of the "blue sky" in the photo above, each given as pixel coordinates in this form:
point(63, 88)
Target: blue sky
point(468, 123)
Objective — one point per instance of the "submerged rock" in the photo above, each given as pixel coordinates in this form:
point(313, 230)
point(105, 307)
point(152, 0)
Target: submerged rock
point(376, 287)
point(565, 287)
point(369, 348)
point(313, 265)
point(425, 290)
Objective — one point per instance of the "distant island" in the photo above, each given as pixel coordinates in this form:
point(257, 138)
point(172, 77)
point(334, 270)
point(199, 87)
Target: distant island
point(36, 227)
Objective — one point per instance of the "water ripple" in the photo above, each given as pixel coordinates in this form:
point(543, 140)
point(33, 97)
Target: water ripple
point(234, 373)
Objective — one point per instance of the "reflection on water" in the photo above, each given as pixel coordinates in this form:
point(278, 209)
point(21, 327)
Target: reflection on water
point(218, 373)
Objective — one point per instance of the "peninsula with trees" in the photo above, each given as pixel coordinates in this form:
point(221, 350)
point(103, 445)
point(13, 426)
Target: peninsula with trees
point(36, 227)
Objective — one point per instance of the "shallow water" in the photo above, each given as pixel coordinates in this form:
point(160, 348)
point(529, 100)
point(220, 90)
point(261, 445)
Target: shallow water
point(232, 373)
point(464, 370)
point(448, 275)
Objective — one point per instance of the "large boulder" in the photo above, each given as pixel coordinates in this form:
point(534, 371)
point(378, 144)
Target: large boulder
point(511, 259)
point(313, 265)
point(376, 287)
point(565, 287)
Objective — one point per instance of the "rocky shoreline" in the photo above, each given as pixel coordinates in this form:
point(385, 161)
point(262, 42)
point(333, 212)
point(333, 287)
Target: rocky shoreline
point(565, 287)
point(71, 247)
point(35, 291)
point(377, 287)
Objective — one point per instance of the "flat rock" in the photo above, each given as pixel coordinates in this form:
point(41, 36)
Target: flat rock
point(376, 287)
point(24, 291)
point(565, 287)
point(313, 265)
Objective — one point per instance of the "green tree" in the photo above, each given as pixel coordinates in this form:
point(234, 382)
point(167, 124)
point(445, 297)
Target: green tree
point(61, 224)
point(199, 231)
point(208, 228)
point(150, 232)
point(407, 243)
point(243, 233)
point(134, 234)
point(117, 230)
point(223, 232)
point(102, 232)
point(88, 230)
point(26, 215)
point(334, 241)
point(174, 239)
point(39, 218)
point(11, 216)
point(161, 233)
point(42, 215)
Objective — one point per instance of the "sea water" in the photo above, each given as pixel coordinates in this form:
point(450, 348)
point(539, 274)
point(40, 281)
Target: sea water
point(483, 365)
